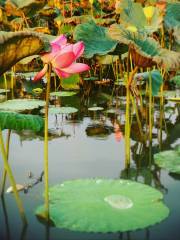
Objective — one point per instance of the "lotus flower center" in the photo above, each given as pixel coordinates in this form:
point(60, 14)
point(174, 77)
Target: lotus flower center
point(119, 201)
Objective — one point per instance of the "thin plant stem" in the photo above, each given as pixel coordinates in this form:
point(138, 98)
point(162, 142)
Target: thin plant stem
point(12, 180)
point(46, 167)
point(7, 156)
point(5, 83)
point(127, 125)
point(150, 107)
point(137, 117)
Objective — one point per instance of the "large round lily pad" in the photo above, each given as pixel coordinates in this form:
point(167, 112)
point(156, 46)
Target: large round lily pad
point(169, 160)
point(4, 91)
point(63, 94)
point(95, 109)
point(61, 110)
point(99, 205)
point(18, 105)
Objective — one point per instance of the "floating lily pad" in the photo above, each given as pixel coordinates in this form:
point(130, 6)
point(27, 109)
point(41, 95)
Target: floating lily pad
point(63, 94)
point(169, 160)
point(17, 121)
point(18, 105)
point(61, 110)
point(4, 90)
point(174, 99)
point(99, 205)
point(95, 109)
point(90, 78)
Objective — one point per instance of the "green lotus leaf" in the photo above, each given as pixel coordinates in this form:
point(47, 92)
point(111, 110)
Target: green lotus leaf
point(169, 160)
point(95, 109)
point(176, 80)
point(95, 39)
point(61, 110)
point(15, 46)
point(107, 59)
point(156, 79)
point(17, 121)
point(71, 83)
point(28, 7)
point(63, 94)
point(99, 205)
point(133, 15)
point(172, 17)
point(18, 105)
point(146, 47)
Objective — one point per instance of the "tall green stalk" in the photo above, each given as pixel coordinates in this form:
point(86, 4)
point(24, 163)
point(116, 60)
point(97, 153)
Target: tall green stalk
point(46, 167)
point(5, 83)
point(12, 180)
point(127, 125)
point(7, 157)
point(150, 107)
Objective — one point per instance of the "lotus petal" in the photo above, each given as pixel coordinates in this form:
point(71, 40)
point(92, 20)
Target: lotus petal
point(76, 68)
point(63, 60)
point(41, 73)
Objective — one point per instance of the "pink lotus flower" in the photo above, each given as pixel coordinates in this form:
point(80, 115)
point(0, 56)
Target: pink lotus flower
point(63, 57)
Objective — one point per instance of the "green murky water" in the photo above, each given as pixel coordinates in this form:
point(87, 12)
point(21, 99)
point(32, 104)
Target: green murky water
point(90, 145)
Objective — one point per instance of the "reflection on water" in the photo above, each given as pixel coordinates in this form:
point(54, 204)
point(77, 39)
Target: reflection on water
point(87, 145)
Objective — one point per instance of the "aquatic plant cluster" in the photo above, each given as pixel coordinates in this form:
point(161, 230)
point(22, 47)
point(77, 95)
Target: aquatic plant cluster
point(50, 50)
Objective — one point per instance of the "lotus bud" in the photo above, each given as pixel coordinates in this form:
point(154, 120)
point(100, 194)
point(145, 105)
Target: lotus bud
point(149, 12)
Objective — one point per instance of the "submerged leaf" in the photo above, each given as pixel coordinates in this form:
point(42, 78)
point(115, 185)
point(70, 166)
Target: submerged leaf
point(99, 205)
point(17, 121)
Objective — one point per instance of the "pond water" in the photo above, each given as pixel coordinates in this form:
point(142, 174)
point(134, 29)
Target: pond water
point(88, 145)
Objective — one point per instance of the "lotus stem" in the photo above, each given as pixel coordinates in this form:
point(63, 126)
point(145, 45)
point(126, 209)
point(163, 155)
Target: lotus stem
point(161, 116)
point(46, 167)
point(5, 83)
point(12, 82)
point(131, 76)
point(150, 107)
point(137, 116)
point(7, 157)
point(12, 180)
point(127, 127)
